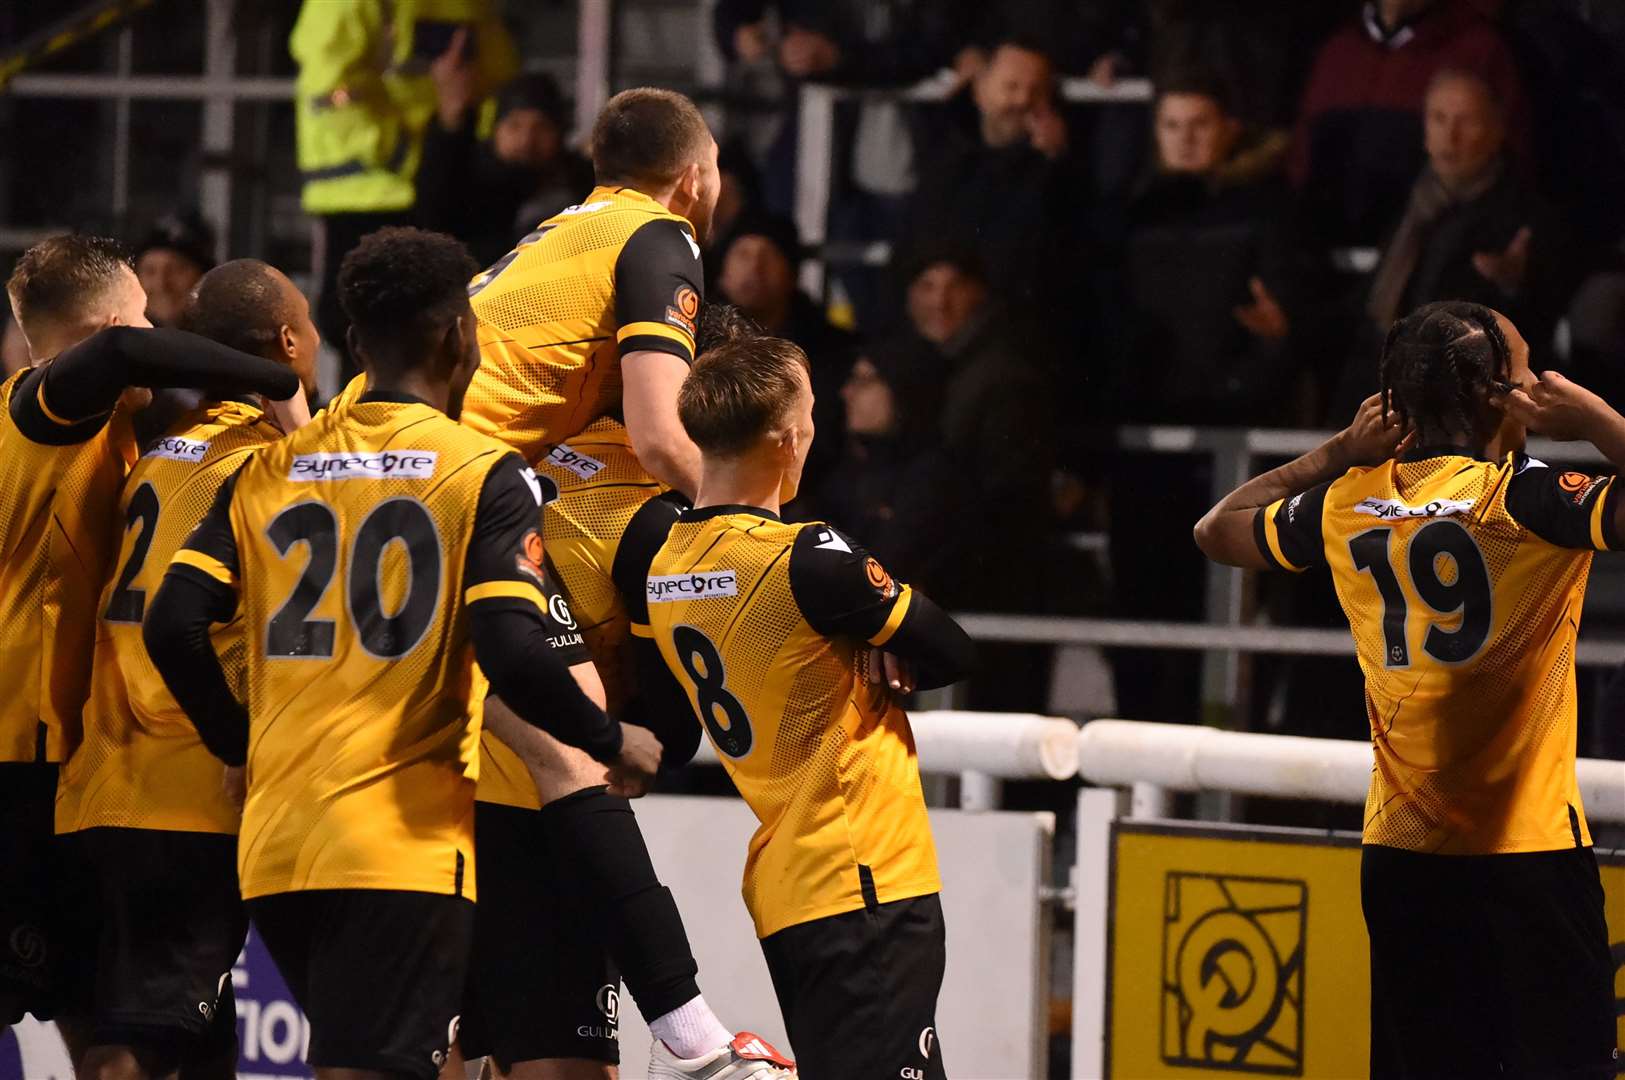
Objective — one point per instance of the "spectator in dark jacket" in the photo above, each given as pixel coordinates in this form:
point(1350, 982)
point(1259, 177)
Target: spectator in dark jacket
point(489, 194)
point(1203, 332)
point(758, 275)
point(1358, 143)
point(1008, 191)
point(1472, 230)
point(893, 483)
point(996, 422)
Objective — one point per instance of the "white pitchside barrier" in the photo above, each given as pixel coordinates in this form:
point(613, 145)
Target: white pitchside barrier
point(1139, 887)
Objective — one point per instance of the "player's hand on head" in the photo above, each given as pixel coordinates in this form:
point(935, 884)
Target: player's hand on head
point(633, 771)
point(1555, 406)
point(1374, 436)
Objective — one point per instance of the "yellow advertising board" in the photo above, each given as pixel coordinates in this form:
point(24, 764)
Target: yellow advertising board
point(1242, 951)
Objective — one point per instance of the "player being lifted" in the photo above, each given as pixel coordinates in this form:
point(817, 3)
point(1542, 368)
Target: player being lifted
point(161, 918)
point(599, 502)
point(65, 443)
point(592, 316)
point(368, 590)
point(772, 631)
point(1461, 564)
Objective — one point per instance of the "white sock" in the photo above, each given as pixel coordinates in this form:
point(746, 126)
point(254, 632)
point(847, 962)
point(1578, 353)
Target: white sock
point(691, 1030)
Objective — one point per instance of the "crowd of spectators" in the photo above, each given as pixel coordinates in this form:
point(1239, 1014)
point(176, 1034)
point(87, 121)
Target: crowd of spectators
point(1225, 251)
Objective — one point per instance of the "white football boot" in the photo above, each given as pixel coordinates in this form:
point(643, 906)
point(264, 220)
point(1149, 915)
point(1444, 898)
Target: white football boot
point(748, 1057)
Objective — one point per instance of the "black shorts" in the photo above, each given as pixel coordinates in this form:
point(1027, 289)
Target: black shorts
point(170, 924)
point(34, 944)
point(1488, 965)
point(378, 972)
point(540, 983)
point(859, 990)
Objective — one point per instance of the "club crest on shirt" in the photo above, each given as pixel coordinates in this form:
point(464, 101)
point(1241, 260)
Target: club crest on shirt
point(1394, 510)
point(684, 309)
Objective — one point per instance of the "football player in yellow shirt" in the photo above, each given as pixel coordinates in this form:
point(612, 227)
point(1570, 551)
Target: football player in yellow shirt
point(65, 444)
point(374, 556)
point(1461, 565)
point(142, 794)
point(770, 631)
point(590, 323)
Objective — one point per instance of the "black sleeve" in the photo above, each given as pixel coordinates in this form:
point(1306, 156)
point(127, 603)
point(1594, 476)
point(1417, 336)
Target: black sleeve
point(85, 381)
point(1565, 509)
point(640, 543)
point(659, 284)
point(503, 584)
point(843, 591)
point(564, 637)
point(1288, 530)
point(198, 590)
point(660, 703)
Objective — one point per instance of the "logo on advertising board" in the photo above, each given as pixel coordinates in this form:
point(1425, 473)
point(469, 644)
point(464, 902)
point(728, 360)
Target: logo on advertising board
point(1233, 973)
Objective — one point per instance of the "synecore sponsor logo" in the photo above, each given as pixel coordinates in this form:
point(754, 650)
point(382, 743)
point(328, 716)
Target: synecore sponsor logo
point(581, 464)
point(176, 448)
point(383, 465)
point(1393, 509)
point(666, 588)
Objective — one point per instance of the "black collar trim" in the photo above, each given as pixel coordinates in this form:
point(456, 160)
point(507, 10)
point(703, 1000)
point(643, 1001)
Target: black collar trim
point(706, 513)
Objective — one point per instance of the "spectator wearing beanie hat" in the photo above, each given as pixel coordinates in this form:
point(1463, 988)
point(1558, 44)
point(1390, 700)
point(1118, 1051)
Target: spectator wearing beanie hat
point(490, 193)
point(170, 260)
point(758, 263)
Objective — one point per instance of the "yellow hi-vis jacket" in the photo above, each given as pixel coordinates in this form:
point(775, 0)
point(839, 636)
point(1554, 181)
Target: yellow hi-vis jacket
point(364, 95)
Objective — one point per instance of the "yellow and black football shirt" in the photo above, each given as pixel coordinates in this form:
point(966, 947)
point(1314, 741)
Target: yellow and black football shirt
point(764, 625)
point(1462, 581)
point(142, 764)
point(355, 547)
point(59, 483)
point(594, 490)
point(616, 274)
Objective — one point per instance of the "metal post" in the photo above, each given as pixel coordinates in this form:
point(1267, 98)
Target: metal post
point(979, 792)
point(120, 203)
point(1098, 808)
point(594, 32)
point(1221, 671)
point(815, 167)
point(1149, 801)
point(219, 123)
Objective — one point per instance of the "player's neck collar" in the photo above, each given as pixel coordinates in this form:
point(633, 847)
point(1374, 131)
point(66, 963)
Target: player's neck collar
point(1433, 450)
point(706, 513)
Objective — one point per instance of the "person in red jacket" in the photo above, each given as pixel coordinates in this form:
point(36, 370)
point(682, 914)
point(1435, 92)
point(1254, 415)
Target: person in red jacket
point(1358, 144)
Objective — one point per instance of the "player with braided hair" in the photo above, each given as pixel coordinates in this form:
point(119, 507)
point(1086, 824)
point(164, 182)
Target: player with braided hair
point(1461, 563)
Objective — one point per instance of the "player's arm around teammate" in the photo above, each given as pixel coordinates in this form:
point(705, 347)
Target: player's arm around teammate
point(63, 452)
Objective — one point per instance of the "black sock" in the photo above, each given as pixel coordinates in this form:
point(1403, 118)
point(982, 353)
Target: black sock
point(600, 849)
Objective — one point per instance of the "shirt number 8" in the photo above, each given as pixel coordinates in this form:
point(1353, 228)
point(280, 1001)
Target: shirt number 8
point(704, 668)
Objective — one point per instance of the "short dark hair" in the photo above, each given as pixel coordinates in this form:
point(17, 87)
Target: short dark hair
point(59, 277)
point(240, 304)
point(721, 323)
point(1438, 366)
point(736, 393)
point(400, 284)
point(647, 136)
point(1198, 82)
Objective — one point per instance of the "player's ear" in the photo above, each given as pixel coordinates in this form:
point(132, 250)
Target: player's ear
point(289, 342)
point(690, 184)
